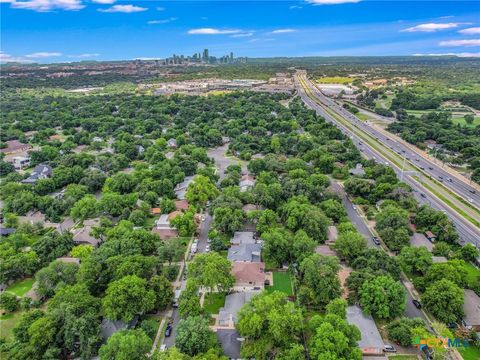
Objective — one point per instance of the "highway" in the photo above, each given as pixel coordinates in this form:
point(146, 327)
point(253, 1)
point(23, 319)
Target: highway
point(390, 151)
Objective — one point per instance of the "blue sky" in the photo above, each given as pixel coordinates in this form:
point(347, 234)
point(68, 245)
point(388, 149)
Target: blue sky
point(72, 30)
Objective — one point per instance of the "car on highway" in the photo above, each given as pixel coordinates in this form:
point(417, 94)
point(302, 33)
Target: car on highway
point(440, 176)
point(471, 200)
point(423, 195)
point(354, 207)
point(168, 330)
point(389, 349)
point(375, 240)
point(422, 168)
point(417, 304)
point(449, 179)
point(430, 168)
point(472, 191)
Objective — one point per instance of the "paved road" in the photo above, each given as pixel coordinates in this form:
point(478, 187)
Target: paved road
point(467, 232)
point(411, 311)
point(222, 162)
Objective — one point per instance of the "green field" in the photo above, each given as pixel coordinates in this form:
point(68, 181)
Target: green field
point(461, 121)
point(470, 353)
point(472, 273)
point(281, 282)
point(363, 116)
point(335, 80)
point(214, 302)
point(8, 322)
point(21, 287)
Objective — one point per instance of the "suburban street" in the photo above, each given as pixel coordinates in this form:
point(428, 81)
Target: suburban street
point(221, 162)
point(360, 223)
point(467, 231)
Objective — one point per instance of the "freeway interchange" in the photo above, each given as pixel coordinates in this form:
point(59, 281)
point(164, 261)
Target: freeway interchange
point(432, 183)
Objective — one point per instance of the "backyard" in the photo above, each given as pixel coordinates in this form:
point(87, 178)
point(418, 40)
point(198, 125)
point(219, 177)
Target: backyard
point(213, 302)
point(21, 287)
point(281, 282)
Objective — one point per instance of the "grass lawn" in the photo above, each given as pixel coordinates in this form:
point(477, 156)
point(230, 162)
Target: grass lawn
point(21, 287)
point(461, 121)
point(472, 271)
point(8, 322)
point(470, 353)
point(214, 302)
point(363, 116)
point(281, 282)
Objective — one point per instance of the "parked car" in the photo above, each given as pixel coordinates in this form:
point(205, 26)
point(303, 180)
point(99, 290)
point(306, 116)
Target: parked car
point(417, 304)
point(207, 248)
point(375, 240)
point(163, 347)
point(168, 331)
point(452, 325)
point(423, 195)
point(389, 348)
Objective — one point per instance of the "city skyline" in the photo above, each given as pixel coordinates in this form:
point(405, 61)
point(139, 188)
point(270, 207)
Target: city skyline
point(73, 30)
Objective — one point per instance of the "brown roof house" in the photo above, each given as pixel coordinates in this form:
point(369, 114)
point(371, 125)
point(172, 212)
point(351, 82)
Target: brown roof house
point(181, 205)
point(163, 228)
point(83, 235)
point(248, 276)
point(246, 182)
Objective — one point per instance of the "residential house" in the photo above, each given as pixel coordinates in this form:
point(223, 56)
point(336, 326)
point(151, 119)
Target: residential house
point(227, 316)
point(21, 162)
point(418, 240)
point(430, 236)
point(245, 252)
point(181, 205)
point(251, 207)
point(358, 170)
point(172, 143)
point(40, 171)
point(181, 188)
point(109, 327)
point(246, 182)
point(371, 339)
point(163, 228)
point(244, 237)
point(471, 309)
point(332, 234)
point(248, 276)
point(155, 211)
point(83, 234)
point(230, 341)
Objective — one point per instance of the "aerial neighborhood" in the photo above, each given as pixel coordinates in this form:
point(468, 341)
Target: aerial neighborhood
point(210, 206)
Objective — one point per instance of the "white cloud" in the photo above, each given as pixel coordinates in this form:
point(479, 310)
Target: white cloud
point(282, 31)
point(212, 31)
point(43, 55)
point(470, 31)
point(5, 58)
point(431, 27)
point(463, 54)
point(123, 9)
point(295, 7)
point(470, 42)
point(332, 2)
point(105, 2)
point(159, 8)
point(164, 21)
point(47, 5)
point(84, 56)
point(246, 34)
point(261, 40)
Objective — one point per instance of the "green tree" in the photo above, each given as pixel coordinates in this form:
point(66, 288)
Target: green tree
point(269, 323)
point(127, 297)
point(333, 209)
point(415, 259)
point(469, 118)
point(56, 274)
point(350, 245)
point(444, 299)
point(334, 338)
point(401, 330)
point(319, 283)
point(338, 307)
point(228, 220)
point(382, 297)
point(185, 223)
point(82, 251)
point(201, 190)
point(163, 291)
point(126, 345)
point(194, 335)
point(8, 302)
point(212, 271)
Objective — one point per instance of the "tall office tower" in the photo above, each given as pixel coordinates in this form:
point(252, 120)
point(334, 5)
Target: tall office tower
point(205, 55)
point(231, 56)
